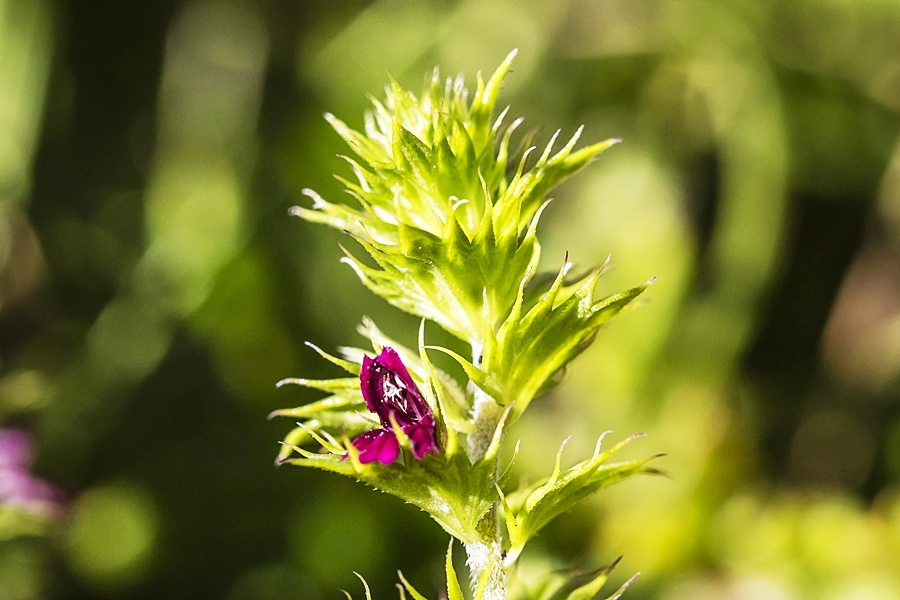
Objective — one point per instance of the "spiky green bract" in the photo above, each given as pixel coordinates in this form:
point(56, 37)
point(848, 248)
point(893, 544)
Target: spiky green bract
point(590, 589)
point(454, 491)
point(405, 585)
point(532, 346)
point(527, 511)
point(454, 591)
point(451, 233)
point(580, 586)
point(338, 413)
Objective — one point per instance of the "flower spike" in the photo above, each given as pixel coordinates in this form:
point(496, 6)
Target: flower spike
point(448, 215)
point(437, 211)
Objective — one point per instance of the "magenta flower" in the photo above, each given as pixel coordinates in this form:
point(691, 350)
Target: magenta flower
point(389, 391)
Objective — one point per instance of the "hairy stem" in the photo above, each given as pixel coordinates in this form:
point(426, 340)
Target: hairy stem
point(486, 414)
point(485, 557)
point(485, 561)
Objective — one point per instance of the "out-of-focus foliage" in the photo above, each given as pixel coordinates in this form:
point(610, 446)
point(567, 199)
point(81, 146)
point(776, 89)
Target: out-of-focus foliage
point(153, 288)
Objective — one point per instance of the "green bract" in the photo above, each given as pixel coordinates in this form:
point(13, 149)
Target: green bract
point(452, 232)
point(552, 586)
point(520, 360)
point(528, 511)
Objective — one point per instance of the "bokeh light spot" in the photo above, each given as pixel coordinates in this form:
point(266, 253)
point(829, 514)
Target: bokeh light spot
point(113, 531)
point(20, 571)
point(832, 449)
point(276, 582)
point(338, 532)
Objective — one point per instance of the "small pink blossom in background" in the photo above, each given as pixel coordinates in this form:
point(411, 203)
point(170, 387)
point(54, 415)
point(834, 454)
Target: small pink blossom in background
point(18, 487)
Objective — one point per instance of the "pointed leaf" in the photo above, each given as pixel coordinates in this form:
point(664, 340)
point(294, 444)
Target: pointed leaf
point(618, 593)
point(409, 588)
point(454, 591)
point(539, 505)
point(592, 587)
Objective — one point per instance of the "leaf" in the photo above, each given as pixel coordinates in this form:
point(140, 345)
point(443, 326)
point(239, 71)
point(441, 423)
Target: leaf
point(557, 585)
point(618, 593)
point(344, 364)
point(326, 424)
point(409, 588)
point(523, 359)
point(365, 585)
point(528, 513)
point(545, 586)
point(454, 591)
point(448, 487)
point(597, 581)
point(343, 384)
point(343, 402)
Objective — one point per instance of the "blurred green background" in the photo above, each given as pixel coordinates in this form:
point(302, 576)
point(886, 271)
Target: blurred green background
point(153, 288)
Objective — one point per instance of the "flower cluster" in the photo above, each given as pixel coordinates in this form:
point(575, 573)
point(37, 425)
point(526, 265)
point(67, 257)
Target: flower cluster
point(450, 220)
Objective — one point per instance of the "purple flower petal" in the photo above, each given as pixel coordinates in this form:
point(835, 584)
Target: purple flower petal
point(421, 436)
point(378, 444)
point(391, 393)
point(389, 390)
point(390, 360)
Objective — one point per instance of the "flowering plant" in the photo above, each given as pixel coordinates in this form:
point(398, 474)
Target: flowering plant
point(450, 221)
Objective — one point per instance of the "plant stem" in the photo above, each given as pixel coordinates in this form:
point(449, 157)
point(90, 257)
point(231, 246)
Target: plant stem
point(485, 557)
point(486, 414)
point(485, 563)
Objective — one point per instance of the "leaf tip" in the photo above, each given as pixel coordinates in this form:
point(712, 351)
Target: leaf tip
point(289, 381)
